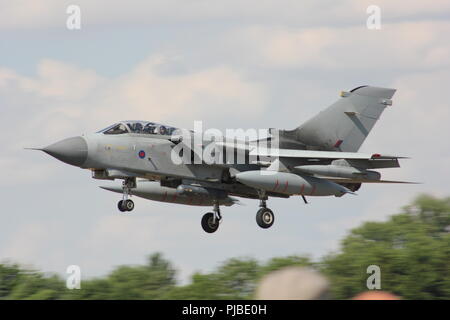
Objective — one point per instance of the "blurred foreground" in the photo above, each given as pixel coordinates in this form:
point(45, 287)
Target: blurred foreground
point(412, 250)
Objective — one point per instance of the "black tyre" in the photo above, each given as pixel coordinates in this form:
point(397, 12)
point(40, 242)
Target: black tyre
point(121, 206)
point(129, 205)
point(208, 223)
point(265, 218)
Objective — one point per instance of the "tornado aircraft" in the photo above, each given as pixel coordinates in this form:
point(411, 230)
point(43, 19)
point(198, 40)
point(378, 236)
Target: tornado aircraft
point(164, 163)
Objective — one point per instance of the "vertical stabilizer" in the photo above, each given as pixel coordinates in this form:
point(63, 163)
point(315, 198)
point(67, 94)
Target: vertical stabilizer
point(346, 123)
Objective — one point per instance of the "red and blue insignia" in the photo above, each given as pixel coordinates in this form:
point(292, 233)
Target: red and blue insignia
point(141, 154)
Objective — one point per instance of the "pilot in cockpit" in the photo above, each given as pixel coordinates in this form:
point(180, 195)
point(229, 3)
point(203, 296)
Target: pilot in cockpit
point(139, 127)
point(162, 130)
point(136, 127)
point(149, 128)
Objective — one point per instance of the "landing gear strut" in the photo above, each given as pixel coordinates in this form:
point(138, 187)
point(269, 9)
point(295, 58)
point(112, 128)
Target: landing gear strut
point(264, 217)
point(211, 220)
point(126, 204)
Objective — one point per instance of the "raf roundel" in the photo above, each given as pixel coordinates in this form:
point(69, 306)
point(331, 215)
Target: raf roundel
point(141, 154)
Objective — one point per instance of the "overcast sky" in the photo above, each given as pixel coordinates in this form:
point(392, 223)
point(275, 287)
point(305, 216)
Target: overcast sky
point(232, 64)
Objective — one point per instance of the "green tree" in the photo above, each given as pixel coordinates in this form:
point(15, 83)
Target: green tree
point(412, 249)
point(33, 285)
point(150, 281)
point(235, 279)
point(281, 262)
point(9, 278)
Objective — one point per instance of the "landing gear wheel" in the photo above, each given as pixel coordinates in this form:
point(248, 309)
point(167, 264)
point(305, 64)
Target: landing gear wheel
point(121, 206)
point(265, 218)
point(209, 223)
point(127, 205)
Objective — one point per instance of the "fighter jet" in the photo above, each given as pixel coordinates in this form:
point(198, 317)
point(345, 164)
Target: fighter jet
point(318, 158)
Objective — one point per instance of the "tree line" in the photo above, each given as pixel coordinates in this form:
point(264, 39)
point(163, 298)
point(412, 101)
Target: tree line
point(412, 249)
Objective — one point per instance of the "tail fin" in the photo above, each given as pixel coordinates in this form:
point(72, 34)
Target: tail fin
point(346, 123)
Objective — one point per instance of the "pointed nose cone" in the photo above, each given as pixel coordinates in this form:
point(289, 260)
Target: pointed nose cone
point(72, 151)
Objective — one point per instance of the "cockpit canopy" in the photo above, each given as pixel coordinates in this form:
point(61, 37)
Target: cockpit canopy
point(140, 127)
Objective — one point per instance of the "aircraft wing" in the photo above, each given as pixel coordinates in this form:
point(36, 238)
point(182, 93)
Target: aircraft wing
point(306, 154)
point(312, 154)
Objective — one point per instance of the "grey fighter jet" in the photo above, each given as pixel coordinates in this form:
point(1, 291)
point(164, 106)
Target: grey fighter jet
point(319, 158)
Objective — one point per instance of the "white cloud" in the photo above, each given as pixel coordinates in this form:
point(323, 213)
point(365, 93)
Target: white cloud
point(23, 14)
point(66, 97)
point(402, 45)
point(167, 96)
point(63, 100)
point(59, 80)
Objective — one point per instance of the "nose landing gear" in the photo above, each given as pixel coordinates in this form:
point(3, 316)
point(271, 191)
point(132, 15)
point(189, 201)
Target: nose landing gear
point(126, 204)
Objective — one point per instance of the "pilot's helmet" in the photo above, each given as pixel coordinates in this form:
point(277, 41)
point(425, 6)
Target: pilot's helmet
point(137, 127)
point(149, 128)
point(162, 130)
point(121, 128)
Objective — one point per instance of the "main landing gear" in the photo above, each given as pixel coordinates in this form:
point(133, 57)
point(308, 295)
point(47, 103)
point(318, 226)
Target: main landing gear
point(264, 216)
point(211, 220)
point(126, 204)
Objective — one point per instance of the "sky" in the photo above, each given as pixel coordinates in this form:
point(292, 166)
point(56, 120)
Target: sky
point(230, 64)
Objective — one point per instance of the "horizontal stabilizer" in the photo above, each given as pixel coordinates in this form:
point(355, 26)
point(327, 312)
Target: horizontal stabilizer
point(337, 180)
